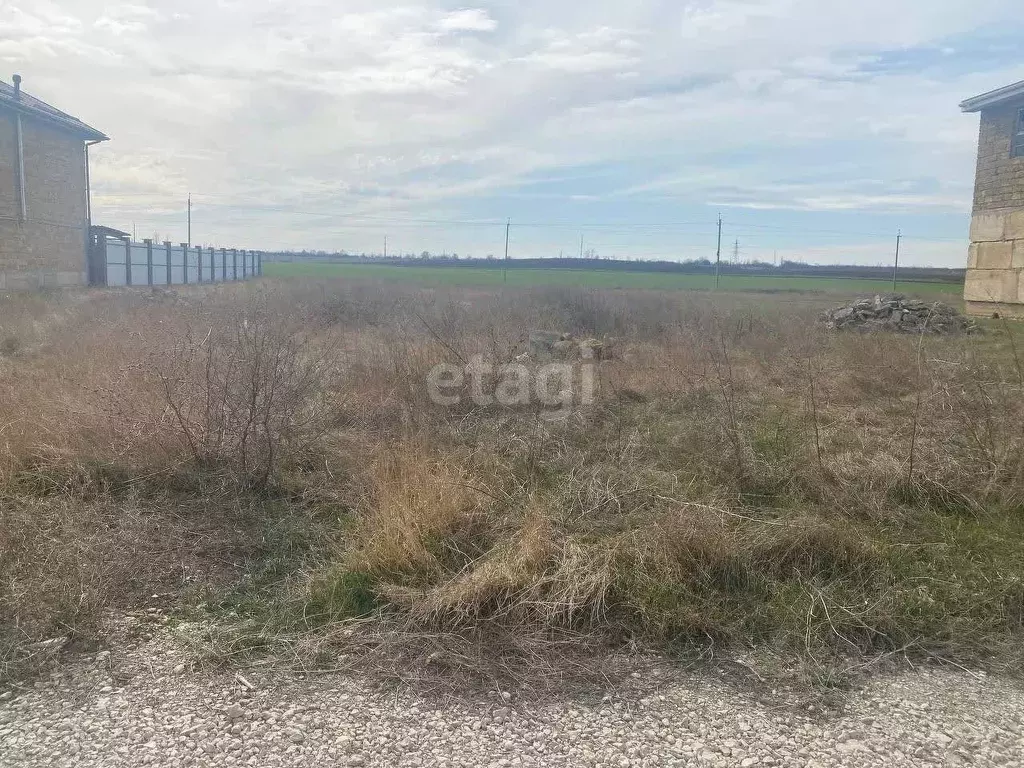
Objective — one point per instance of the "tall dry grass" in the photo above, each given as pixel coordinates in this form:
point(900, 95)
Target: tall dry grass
point(744, 479)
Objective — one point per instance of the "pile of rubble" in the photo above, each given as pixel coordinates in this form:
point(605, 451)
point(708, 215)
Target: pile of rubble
point(898, 313)
point(545, 346)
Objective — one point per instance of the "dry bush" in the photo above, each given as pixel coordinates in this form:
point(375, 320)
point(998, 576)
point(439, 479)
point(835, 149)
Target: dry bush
point(246, 390)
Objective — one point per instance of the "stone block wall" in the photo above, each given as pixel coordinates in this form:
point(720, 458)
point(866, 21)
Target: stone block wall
point(995, 262)
point(49, 247)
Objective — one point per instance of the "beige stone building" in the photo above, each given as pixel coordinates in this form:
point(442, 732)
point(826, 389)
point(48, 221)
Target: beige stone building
point(995, 265)
point(44, 192)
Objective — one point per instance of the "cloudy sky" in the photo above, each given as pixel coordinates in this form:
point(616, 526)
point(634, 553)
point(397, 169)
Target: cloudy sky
point(816, 127)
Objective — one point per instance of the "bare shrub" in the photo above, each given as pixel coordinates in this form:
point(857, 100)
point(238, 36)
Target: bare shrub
point(246, 390)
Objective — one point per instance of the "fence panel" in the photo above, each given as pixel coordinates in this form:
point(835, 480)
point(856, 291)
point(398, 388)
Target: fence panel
point(159, 262)
point(193, 265)
point(116, 257)
point(138, 274)
point(177, 265)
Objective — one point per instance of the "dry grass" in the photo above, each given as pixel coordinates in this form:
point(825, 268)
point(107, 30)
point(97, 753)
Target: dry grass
point(744, 478)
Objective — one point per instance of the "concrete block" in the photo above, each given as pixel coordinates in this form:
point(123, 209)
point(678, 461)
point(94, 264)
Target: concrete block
point(987, 227)
point(1017, 262)
point(1013, 227)
point(989, 308)
point(992, 285)
point(972, 256)
point(994, 255)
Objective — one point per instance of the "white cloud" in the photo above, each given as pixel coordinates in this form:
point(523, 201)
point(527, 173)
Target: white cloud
point(598, 50)
point(467, 20)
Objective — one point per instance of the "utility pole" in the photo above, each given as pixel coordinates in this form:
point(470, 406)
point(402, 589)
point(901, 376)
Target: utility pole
point(581, 246)
point(718, 254)
point(385, 246)
point(896, 266)
point(736, 252)
point(189, 238)
point(134, 238)
point(508, 227)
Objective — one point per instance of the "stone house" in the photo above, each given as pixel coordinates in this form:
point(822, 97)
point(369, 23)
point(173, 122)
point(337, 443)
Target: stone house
point(44, 192)
point(995, 265)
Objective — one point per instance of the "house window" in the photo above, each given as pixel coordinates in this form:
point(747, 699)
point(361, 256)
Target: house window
point(1017, 142)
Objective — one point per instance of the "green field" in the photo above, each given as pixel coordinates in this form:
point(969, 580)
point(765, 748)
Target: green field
point(484, 276)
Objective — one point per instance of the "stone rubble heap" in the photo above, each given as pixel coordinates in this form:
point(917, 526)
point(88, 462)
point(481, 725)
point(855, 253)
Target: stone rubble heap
point(899, 314)
point(545, 346)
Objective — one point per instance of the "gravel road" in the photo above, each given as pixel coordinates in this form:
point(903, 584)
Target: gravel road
point(144, 705)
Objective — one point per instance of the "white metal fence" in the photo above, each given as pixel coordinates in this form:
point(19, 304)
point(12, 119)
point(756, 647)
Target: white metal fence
point(118, 262)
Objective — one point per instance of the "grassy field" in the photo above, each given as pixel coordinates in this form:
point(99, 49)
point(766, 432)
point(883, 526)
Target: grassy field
point(268, 460)
point(493, 277)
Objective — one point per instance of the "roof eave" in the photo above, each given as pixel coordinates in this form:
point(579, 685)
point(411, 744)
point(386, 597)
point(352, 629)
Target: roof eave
point(80, 129)
point(994, 98)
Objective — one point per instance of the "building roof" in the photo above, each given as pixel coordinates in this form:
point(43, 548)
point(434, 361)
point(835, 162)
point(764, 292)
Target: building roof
point(98, 229)
point(29, 105)
point(994, 98)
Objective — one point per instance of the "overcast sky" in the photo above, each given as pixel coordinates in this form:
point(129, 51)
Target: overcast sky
point(816, 127)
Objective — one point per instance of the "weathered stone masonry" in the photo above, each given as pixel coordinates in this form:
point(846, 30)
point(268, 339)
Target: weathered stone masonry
point(995, 264)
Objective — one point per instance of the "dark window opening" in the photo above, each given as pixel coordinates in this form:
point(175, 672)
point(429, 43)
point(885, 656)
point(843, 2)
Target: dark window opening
point(1017, 142)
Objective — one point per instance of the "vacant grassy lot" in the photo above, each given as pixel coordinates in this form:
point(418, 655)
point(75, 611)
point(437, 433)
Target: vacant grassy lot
point(743, 478)
point(493, 277)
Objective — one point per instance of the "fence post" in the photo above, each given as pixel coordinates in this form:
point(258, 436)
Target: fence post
point(184, 264)
point(224, 264)
point(127, 261)
point(167, 247)
point(259, 263)
point(149, 261)
point(234, 263)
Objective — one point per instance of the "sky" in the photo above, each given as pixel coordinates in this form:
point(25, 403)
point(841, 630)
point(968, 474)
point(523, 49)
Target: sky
point(817, 129)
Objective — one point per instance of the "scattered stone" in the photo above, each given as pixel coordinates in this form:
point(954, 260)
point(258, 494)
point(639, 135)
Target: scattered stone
point(896, 313)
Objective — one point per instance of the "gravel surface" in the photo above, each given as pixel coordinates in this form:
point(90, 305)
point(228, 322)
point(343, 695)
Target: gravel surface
point(144, 705)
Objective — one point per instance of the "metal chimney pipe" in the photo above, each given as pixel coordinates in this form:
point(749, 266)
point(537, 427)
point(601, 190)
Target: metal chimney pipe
point(17, 86)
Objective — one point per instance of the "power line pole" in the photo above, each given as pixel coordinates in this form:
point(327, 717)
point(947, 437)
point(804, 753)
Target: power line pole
point(718, 254)
point(581, 246)
point(896, 265)
point(736, 252)
point(189, 238)
point(508, 227)
point(385, 246)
